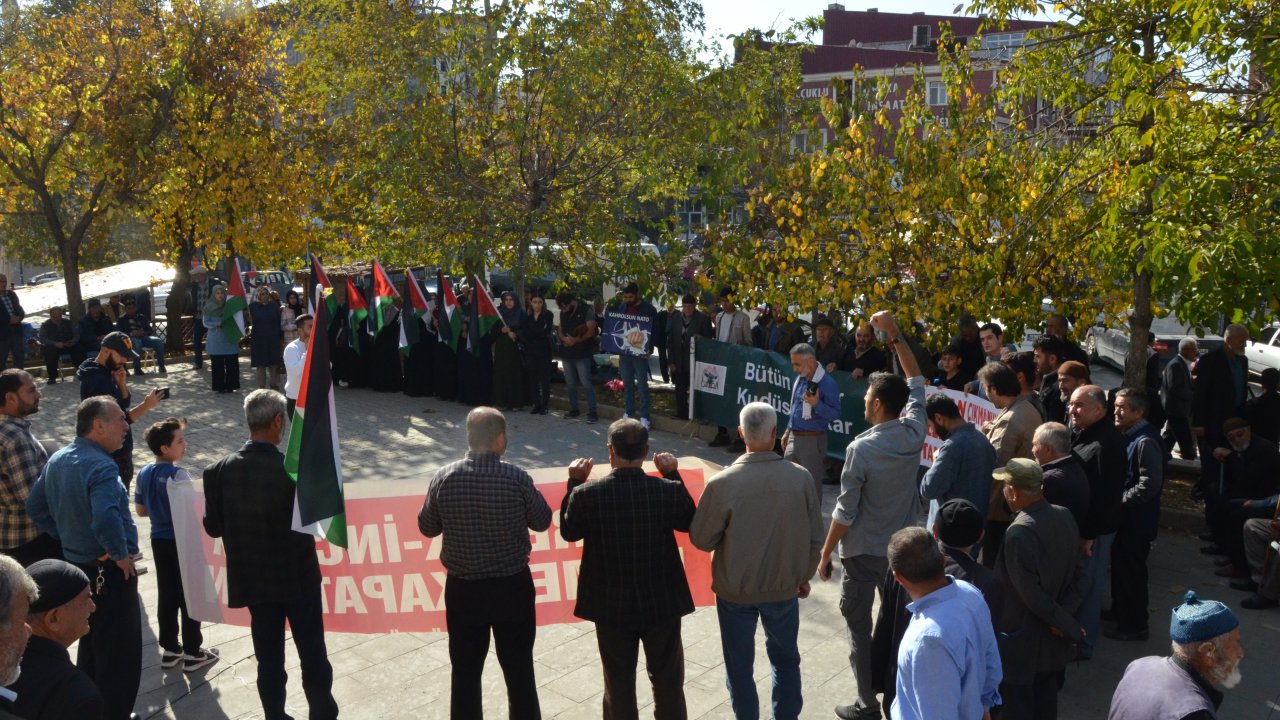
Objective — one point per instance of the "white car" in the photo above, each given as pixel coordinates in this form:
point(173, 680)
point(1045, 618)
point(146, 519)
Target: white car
point(1264, 352)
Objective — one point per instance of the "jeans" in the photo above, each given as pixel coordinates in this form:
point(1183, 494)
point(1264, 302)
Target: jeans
point(664, 664)
point(862, 575)
point(635, 376)
point(473, 609)
point(1096, 570)
point(111, 654)
point(306, 622)
point(781, 622)
point(578, 372)
point(148, 341)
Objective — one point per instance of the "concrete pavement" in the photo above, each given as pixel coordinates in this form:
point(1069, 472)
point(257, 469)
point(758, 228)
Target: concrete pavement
point(406, 675)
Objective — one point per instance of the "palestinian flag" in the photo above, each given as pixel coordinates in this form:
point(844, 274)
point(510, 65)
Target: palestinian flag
point(357, 313)
point(313, 459)
point(237, 301)
point(384, 296)
point(484, 314)
point(450, 312)
point(321, 278)
point(419, 306)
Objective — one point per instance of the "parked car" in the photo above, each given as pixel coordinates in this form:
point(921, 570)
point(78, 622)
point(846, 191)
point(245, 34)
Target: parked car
point(1264, 352)
point(43, 278)
point(279, 280)
point(1112, 346)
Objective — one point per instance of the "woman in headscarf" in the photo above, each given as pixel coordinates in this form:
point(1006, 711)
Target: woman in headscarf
point(535, 338)
point(508, 370)
point(385, 360)
point(266, 351)
point(289, 316)
point(224, 355)
point(418, 366)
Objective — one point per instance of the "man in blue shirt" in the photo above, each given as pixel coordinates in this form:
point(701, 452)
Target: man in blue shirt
point(815, 402)
point(949, 643)
point(962, 467)
point(80, 500)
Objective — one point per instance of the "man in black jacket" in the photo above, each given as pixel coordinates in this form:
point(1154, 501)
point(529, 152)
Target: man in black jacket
point(271, 569)
point(682, 327)
point(106, 374)
point(50, 686)
point(1221, 389)
point(12, 339)
point(631, 583)
point(1102, 450)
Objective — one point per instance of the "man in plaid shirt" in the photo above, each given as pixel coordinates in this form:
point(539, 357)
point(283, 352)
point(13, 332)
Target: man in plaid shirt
point(485, 509)
point(22, 457)
point(631, 583)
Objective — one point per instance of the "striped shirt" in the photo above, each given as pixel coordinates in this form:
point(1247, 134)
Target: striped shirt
point(22, 457)
point(485, 509)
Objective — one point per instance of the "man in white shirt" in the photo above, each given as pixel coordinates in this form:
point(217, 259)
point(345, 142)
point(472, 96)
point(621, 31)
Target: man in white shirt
point(295, 359)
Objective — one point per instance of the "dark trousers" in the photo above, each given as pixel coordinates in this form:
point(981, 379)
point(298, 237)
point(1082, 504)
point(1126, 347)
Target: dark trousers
point(991, 542)
point(306, 622)
point(1210, 468)
point(504, 607)
point(663, 363)
point(289, 405)
point(44, 547)
point(538, 373)
point(53, 358)
point(681, 380)
point(1233, 517)
point(197, 340)
point(13, 344)
point(226, 372)
point(1178, 429)
point(1037, 701)
point(664, 663)
point(111, 654)
point(170, 602)
point(1129, 600)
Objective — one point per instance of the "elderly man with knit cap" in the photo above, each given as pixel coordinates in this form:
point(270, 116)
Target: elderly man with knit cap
point(50, 686)
point(1187, 685)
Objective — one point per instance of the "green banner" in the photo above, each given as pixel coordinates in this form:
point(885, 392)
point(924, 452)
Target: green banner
point(726, 377)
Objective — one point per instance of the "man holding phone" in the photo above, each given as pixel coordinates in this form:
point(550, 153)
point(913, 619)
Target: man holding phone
point(815, 402)
point(878, 497)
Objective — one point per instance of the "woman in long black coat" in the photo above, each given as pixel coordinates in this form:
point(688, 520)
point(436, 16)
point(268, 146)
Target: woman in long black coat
point(418, 366)
point(536, 336)
point(508, 368)
point(386, 373)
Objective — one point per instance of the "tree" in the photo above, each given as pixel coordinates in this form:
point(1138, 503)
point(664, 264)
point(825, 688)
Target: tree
point(84, 96)
point(532, 137)
point(1157, 129)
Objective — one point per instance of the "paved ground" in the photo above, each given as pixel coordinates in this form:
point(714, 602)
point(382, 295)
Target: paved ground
point(406, 675)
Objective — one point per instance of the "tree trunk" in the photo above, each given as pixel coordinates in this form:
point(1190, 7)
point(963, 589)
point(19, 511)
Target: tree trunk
point(1135, 373)
point(69, 252)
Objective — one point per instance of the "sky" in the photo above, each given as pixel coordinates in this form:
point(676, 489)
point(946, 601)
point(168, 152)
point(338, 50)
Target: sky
point(725, 17)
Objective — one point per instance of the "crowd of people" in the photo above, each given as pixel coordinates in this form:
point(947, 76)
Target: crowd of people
point(992, 566)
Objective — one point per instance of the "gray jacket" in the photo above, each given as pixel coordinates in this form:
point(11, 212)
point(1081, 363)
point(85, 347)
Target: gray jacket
point(1040, 566)
point(878, 491)
point(1176, 389)
point(762, 518)
point(739, 327)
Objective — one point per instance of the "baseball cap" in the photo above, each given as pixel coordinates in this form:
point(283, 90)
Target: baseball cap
point(1023, 474)
point(121, 343)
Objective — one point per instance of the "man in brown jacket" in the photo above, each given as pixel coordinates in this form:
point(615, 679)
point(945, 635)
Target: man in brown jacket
point(1010, 433)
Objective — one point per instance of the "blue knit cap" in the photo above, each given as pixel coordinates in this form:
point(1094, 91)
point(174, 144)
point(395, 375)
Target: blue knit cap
point(1197, 620)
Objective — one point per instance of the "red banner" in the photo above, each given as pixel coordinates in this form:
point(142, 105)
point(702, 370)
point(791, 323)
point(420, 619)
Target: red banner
point(391, 578)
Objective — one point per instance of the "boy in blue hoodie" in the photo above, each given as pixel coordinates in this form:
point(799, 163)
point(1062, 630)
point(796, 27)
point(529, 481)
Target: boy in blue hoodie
point(168, 443)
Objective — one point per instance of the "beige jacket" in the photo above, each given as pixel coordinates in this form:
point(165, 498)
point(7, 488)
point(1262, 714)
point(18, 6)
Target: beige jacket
point(1010, 434)
point(762, 519)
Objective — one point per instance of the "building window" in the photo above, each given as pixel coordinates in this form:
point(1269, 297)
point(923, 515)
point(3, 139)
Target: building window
point(692, 215)
point(937, 92)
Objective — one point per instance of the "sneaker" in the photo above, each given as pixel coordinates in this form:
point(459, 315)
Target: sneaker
point(192, 662)
point(170, 658)
point(857, 712)
point(137, 556)
point(645, 423)
point(593, 417)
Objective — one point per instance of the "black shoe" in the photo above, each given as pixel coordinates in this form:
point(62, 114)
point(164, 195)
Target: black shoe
point(1258, 602)
point(1247, 585)
point(544, 411)
point(52, 381)
point(593, 417)
point(138, 372)
point(1213, 550)
point(573, 414)
point(535, 410)
point(719, 441)
point(1127, 635)
point(1206, 537)
point(857, 712)
point(163, 371)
